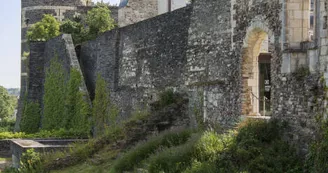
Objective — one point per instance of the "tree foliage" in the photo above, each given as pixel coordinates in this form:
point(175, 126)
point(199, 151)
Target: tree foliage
point(75, 28)
point(31, 117)
point(44, 30)
point(54, 96)
point(77, 109)
point(99, 20)
point(7, 104)
point(103, 111)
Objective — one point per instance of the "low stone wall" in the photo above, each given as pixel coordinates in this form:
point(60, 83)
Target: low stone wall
point(5, 151)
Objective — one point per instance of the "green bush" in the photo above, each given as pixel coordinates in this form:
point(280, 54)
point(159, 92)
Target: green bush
point(256, 147)
point(143, 150)
point(44, 30)
point(7, 125)
point(102, 106)
point(31, 162)
point(54, 96)
point(77, 109)
point(31, 117)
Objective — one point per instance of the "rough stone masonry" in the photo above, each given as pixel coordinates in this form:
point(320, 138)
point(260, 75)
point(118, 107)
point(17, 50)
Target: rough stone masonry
point(213, 50)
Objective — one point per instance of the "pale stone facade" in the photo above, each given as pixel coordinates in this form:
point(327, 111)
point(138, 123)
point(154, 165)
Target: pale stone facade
point(138, 10)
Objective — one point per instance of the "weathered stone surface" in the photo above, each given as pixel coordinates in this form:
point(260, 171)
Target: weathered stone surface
point(208, 50)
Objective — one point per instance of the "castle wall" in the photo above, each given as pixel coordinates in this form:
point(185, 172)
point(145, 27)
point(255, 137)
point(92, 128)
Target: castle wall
point(32, 12)
point(204, 50)
point(41, 54)
point(139, 60)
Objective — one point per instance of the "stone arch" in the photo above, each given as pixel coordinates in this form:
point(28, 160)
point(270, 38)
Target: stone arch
point(259, 39)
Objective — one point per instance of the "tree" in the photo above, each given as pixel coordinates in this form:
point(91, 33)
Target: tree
point(54, 96)
point(31, 118)
point(99, 20)
point(75, 28)
point(101, 106)
point(44, 30)
point(7, 104)
point(77, 109)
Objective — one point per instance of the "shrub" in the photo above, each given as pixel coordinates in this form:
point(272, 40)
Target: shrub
point(76, 109)
point(44, 30)
point(101, 106)
point(30, 162)
point(54, 96)
point(7, 125)
point(31, 118)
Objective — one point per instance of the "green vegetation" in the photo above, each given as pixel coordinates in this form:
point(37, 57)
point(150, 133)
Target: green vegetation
point(75, 28)
point(102, 111)
point(44, 30)
point(7, 104)
point(65, 105)
point(61, 133)
point(54, 96)
point(31, 117)
point(99, 20)
point(7, 125)
point(77, 110)
point(30, 162)
point(256, 146)
point(317, 160)
point(143, 150)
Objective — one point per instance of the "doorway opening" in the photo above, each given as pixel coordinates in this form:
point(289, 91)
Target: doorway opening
point(256, 74)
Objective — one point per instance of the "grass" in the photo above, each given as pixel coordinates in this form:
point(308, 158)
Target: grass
point(255, 146)
point(143, 150)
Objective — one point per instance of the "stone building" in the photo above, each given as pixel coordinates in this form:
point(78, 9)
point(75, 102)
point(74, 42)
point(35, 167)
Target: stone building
point(133, 11)
point(234, 58)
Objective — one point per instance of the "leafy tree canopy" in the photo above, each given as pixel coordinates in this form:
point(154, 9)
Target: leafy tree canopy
point(7, 104)
point(44, 30)
point(99, 20)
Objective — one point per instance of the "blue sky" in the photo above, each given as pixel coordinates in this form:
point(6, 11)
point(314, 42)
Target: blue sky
point(10, 39)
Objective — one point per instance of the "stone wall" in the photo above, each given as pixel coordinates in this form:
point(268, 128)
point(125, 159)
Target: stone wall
point(139, 60)
point(136, 11)
point(5, 151)
point(300, 102)
point(210, 51)
point(32, 12)
point(42, 53)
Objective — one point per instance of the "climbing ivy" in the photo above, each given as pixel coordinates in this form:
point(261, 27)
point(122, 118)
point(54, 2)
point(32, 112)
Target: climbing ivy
point(76, 107)
point(54, 96)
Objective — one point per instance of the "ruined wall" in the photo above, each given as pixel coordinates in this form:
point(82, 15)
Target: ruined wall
point(32, 12)
point(139, 60)
point(204, 50)
point(42, 53)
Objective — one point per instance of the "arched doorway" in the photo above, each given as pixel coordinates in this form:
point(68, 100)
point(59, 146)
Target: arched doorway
point(256, 76)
